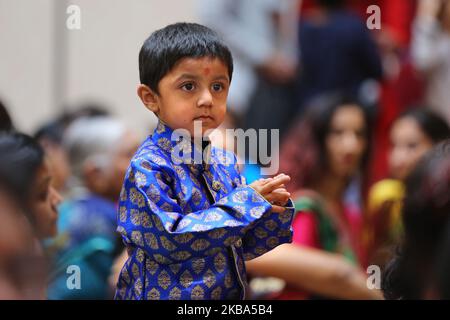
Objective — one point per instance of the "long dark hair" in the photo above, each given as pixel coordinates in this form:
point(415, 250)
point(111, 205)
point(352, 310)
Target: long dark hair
point(20, 158)
point(434, 126)
point(303, 152)
point(426, 212)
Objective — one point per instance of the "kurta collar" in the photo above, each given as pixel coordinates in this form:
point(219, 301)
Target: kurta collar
point(195, 153)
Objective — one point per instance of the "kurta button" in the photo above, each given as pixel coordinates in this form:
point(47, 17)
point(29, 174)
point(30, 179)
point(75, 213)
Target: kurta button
point(216, 185)
point(238, 243)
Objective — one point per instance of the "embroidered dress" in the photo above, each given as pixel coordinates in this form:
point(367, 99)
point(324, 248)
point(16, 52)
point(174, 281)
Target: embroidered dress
point(188, 227)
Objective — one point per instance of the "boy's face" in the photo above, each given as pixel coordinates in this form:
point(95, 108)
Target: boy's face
point(196, 89)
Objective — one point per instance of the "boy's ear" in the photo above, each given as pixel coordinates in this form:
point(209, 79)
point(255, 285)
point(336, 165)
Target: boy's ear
point(148, 98)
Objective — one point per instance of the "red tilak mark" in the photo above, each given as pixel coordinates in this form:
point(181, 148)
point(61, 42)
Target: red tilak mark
point(206, 71)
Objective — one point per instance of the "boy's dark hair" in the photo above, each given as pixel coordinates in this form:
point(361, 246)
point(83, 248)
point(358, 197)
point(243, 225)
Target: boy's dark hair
point(165, 47)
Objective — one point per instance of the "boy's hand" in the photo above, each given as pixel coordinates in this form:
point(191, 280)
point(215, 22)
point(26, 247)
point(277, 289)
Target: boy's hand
point(279, 198)
point(266, 186)
point(273, 190)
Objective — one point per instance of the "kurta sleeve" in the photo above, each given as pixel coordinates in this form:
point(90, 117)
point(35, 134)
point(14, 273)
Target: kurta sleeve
point(270, 231)
point(151, 217)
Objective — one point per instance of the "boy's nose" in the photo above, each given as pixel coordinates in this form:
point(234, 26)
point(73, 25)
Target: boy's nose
point(205, 99)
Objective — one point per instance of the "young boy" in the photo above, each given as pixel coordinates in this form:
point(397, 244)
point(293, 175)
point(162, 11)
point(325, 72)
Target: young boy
point(189, 226)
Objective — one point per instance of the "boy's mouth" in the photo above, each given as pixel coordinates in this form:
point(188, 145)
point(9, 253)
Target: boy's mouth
point(203, 118)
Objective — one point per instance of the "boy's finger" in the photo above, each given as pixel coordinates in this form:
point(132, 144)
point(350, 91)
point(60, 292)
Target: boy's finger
point(281, 190)
point(262, 181)
point(278, 209)
point(275, 183)
point(259, 183)
point(278, 197)
point(282, 177)
point(279, 201)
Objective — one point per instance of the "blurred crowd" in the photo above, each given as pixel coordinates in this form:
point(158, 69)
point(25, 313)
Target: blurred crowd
point(364, 119)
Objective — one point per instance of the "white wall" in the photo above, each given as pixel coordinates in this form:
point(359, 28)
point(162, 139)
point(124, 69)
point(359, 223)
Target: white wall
point(44, 65)
point(26, 55)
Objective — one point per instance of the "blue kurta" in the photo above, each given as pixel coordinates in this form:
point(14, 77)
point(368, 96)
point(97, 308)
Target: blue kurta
point(188, 227)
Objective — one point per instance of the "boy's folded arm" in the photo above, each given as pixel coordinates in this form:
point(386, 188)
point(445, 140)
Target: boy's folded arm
point(149, 218)
point(270, 231)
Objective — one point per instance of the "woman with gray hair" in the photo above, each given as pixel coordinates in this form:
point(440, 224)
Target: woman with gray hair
point(99, 150)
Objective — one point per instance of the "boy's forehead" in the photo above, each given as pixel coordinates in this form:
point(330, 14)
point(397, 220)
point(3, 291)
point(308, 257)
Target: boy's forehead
point(202, 66)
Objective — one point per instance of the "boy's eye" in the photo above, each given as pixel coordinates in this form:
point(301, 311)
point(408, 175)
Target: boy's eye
point(188, 87)
point(217, 87)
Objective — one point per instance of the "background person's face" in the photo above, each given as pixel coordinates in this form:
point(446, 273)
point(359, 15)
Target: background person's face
point(15, 231)
point(120, 161)
point(194, 90)
point(59, 164)
point(44, 201)
point(408, 144)
point(346, 141)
